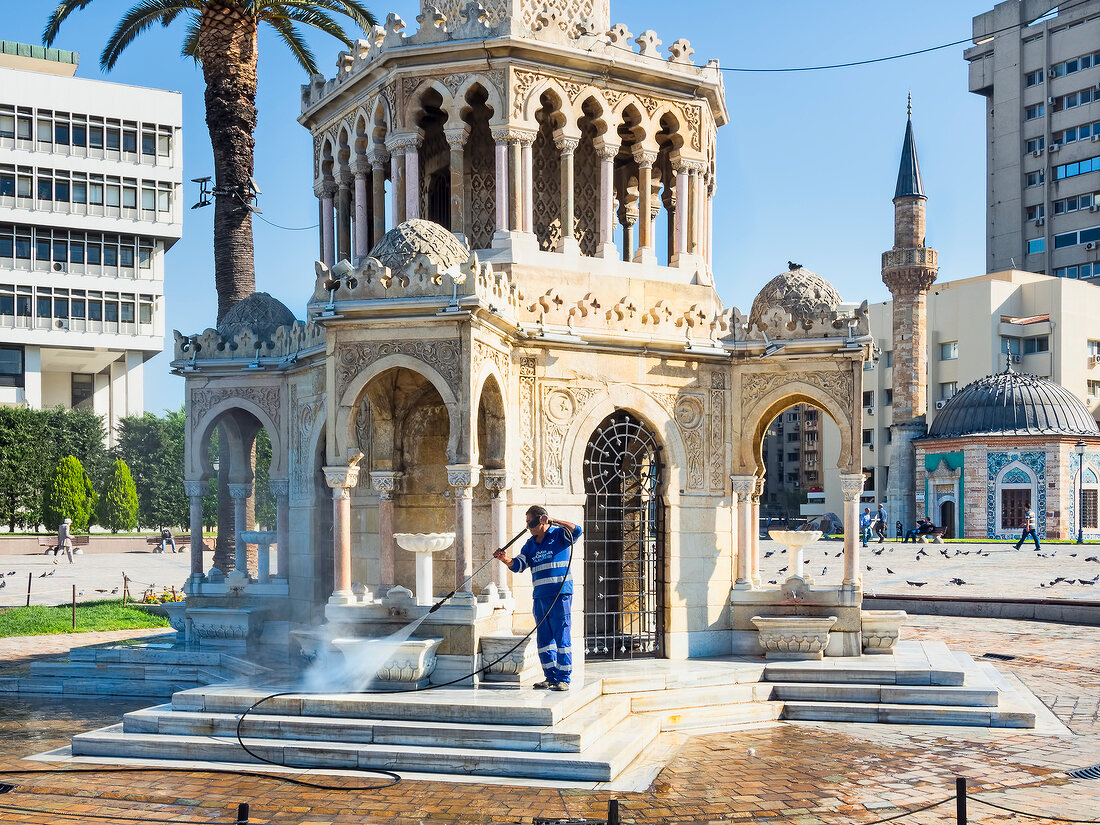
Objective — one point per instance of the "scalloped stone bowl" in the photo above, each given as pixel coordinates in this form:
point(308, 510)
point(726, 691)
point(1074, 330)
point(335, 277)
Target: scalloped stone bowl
point(424, 542)
point(793, 637)
point(881, 629)
point(794, 538)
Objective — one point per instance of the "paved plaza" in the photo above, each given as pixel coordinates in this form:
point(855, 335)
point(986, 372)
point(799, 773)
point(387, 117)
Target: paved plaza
point(803, 773)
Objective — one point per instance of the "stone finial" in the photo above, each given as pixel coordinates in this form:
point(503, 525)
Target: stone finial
point(647, 43)
point(376, 35)
point(589, 27)
point(474, 11)
point(394, 23)
point(431, 17)
point(680, 51)
point(620, 35)
point(546, 18)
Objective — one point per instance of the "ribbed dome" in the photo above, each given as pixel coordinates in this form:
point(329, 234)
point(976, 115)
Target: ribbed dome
point(803, 294)
point(259, 313)
point(1013, 403)
point(404, 242)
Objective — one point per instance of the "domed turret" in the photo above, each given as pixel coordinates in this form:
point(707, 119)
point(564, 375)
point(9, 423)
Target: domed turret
point(259, 313)
point(404, 242)
point(803, 294)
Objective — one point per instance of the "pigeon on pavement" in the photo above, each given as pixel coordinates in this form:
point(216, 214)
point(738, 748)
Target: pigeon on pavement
point(956, 581)
point(888, 570)
point(916, 584)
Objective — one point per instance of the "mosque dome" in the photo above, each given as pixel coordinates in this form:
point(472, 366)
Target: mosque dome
point(404, 242)
point(801, 293)
point(1013, 403)
point(259, 314)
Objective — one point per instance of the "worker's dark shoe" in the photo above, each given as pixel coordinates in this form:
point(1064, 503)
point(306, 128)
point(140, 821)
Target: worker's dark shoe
point(559, 686)
point(545, 684)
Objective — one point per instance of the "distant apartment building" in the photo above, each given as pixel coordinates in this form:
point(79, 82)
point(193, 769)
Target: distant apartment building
point(1037, 64)
point(90, 191)
point(800, 446)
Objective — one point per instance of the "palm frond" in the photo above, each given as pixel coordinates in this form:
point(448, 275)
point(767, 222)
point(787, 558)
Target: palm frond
point(138, 19)
point(190, 46)
point(349, 8)
point(294, 41)
point(318, 20)
point(58, 16)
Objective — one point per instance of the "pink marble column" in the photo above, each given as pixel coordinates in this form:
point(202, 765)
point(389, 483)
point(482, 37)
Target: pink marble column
point(327, 191)
point(699, 203)
point(378, 185)
point(757, 492)
point(341, 480)
point(567, 146)
point(194, 491)
point(280, 488)
point(397, 180)
point(385, 483)
point(240, 492)
point(851, 485)
point(412, 179)
point(463, 478)
point(500, 157)
point(683, 206)
point(456, 141)
point(526, 142)
point(516, 209)
point(645, 203)
point(497, 483)
point(743, 487)
point(362, 219)
point(606, 154)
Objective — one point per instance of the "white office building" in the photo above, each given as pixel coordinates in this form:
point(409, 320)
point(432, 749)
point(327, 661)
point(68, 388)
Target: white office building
point(90, 200)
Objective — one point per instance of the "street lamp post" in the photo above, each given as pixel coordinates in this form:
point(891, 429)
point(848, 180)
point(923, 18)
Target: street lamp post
point(1079, 448)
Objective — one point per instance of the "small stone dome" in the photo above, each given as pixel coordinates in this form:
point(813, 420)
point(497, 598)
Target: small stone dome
point(1013, 403)
point(404, 242)
point(799, 292)
point(259, 313)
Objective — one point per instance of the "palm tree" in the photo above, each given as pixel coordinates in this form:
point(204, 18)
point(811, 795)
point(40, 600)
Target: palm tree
point(222, 38)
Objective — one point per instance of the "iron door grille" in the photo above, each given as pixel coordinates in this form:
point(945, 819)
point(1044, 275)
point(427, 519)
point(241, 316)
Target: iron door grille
point(624, 529)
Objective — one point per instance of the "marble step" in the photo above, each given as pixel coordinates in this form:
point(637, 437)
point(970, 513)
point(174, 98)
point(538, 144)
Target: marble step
point(116, 671)
point(573, 735)
point(897, 714)
point(505, 707)
point(695, 697)
point(629, 680)
point(82, 688)
point(829, 672)
point(712, 716)
point(966, 696)
point(601, 762)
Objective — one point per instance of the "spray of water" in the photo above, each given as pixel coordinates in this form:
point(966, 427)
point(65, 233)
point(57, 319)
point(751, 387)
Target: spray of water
point(349, 664)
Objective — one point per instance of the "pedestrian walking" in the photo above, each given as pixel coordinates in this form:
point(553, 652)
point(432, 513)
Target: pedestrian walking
point(880, 523)
point(1029, 529)
point(64, 541)
point(865, 522)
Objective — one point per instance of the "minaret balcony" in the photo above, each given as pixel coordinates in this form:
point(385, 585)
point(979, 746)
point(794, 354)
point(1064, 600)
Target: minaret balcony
point(920, 256)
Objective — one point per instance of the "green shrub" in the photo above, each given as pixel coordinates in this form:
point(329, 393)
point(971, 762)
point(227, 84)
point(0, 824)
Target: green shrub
point(69, 494)
point(118, 508)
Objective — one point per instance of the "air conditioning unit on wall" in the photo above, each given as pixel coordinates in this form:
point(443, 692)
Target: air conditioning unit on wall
point(940, 405)
point(1096, 359)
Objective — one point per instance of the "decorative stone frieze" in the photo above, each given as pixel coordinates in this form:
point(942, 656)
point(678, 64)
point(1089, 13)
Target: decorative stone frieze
point(443, 356)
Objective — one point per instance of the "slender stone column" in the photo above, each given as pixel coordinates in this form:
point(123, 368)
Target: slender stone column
point(240, 493)
point(326, 192)
point(362, 209)
point(568, 147)
point(456, 139)
point(280, 488)
point(851, 485)
point(743, 487)
point(645, 203)
point(515, 185)
point(343, 219)
point(526, 142)
point(606, 154)
point(463, 477)
point(497, 483)
point(396, 147)
point(700, 200)
point(500, 157)
point(683, 207)
point(629, 218)
point(194, 491)
point(757, 492)
point(412, 182)
point(341, 480)
point(378, 184)
point(385, 483)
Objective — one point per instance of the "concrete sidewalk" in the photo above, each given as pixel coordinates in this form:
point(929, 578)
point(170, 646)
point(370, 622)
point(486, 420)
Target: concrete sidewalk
point(96, 576)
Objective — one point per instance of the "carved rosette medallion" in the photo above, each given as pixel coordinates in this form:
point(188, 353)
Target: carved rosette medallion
point(443, 356)
point(688, 413)
point(560, 407)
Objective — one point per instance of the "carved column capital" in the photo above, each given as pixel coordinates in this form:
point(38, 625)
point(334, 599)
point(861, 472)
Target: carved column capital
point(510, 134)
point(341, 480)
point(238, 491)
point(644, 157)
point(743, 486)
point(567, 145)
point(497, 482)
point(758, 489)
point(279, 487)
point(463, 477)
point(606, 151)
point(378, 158)
point(325, 189)
point(194, 488)
point(385, 483)
point(362, 167)
point(851, 485)
point(457, 136)
point(403, 143)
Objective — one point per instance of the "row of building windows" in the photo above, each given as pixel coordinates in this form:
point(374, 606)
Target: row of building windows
point(1078, 271)
point(75, 304)
point(1065, 239)
point(47, 130)
point(1074, 99)
point(1024, 346)
point(1062, 69)
point(1063, 206)
point(1076, 133)
point(1070, 170)
point(63, 246)
point(49, 187)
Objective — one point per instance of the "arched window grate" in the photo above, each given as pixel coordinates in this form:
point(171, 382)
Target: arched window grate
point(624, 529)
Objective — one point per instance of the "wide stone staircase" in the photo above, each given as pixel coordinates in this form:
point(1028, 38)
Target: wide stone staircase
point(592, 733)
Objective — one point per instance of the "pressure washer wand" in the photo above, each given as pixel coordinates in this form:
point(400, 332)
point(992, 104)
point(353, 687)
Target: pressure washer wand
point(514, 539)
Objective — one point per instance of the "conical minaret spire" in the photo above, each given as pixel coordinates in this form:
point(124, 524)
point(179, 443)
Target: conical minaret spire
point(908, 270)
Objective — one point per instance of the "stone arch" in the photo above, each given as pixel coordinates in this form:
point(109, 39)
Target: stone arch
point(344, 142)
point(344, 430)
point(592, 127)
point(381, 117)
point(415, 104)
point(758, 415)
point(493, 100)
point(645, 407)
point(363, 136)
point(434, 154)
point(228, 412)
point(479, 165)
point(491, 421)
point(534, 101)
point(1016, 475)
point(550, 118)
point(328, 159)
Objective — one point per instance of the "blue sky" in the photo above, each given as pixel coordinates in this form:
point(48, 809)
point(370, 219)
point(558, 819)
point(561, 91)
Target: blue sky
point(806, 166)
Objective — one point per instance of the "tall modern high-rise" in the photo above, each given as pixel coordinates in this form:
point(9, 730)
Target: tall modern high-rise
point(90, 180)
point(1037, 63)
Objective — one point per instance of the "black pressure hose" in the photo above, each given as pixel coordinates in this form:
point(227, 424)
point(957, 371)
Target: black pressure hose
point(394, 778)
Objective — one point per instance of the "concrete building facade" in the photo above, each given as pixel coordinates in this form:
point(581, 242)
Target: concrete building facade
point(90, 190)
point(1037, 64)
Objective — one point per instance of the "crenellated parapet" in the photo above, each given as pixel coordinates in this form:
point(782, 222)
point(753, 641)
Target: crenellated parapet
point(284, 342)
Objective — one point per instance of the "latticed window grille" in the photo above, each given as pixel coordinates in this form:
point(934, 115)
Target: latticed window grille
point(624, 569)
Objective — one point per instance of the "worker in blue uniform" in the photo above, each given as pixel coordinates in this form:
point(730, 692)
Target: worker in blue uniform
point(546, 554)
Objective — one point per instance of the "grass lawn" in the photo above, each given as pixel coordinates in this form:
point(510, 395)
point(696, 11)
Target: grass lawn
point(98, 615)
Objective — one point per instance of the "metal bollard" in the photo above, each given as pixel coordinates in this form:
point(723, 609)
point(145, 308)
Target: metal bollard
point(960, 800)
point(242, 814)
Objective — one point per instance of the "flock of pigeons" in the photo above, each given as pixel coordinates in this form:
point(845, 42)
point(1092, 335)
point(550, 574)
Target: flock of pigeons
point(4, 582)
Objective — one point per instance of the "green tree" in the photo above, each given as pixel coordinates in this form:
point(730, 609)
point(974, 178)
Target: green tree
point(118, 507)
point(222, 38)
point(153, 449)
point(69, 494)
